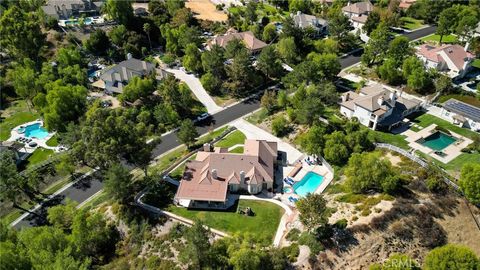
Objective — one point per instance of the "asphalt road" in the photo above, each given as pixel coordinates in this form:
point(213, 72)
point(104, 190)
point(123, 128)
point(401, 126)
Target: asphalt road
point(82, 191)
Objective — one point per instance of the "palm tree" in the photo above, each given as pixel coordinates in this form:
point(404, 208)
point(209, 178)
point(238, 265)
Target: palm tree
point(147, 28)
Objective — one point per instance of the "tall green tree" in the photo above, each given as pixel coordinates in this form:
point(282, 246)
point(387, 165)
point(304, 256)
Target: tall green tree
point(373, 20)
point(187, 132)
point(288, 50)
point(377, 45)
point(98, 43)
point(137, 88)
point(192, 58)
point(451, 257)
point(197, 250)
point(399, 49)
point(269, 63)
point(23, 78)
point(20, 34)
point(213, 61)
point(147, 28)
point(312, 209)
point(269, 33)
point(240, 74)
point(121, 11)
point(339, 26)
point(118, 182)
point(470, 182)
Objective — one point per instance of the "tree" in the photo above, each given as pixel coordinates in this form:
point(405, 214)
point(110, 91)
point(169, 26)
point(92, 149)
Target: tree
point(65, 103)
point(234, 47)
point(269, 63)
point(312, 211)
point(269, 101)
point(388, 71)
point(121, 11)
point(373, 20)
point(21, 36)
point(327, 45)
point(251, 12)
point(269, 33)
point(213, 61)
point(198, 245)
point(118, 182)
point(137, 88)
point(299, 5)
point(147, 28)
point(279, 125)
point(23, 78)
point(443, 84)
point(327, 65)
point(367, 171)
point(240, 75)
point(282, 99)
point(192, 58)
point(313, 141)
point(98, 43)
point(245, 258)
point(66, 166)
point(470, 182)
point(377, 45)
point(399, 49)
point(61, 216)
point(339, 26)
point(211, 83)
point(444, 25)
point(451, 257)
point(187, 132)
point(287, 50)
point(335, 150)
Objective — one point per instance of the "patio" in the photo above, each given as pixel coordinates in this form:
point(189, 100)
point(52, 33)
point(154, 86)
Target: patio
point(449, 153)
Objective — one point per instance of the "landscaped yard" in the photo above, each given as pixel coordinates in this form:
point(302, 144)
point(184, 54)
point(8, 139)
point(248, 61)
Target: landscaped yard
point(467, 99)
point(262, 226)
point(426, 120)
point(53, 141)
point(385, 137)
point(445, 39)
point(411, 23)
point(476, 63)
point(38, 156)
point(17, 114)
point(234, 138)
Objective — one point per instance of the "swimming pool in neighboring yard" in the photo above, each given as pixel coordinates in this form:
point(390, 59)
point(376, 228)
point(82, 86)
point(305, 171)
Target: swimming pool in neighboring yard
point(34, 131)
point(309, 183)
point(437, 141)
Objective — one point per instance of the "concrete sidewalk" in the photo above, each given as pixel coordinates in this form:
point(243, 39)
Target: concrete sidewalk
point(197, 89)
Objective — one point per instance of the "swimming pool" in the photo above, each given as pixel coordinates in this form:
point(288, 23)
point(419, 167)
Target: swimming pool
point(437, 141)
point(309, 183)
point(34, 130)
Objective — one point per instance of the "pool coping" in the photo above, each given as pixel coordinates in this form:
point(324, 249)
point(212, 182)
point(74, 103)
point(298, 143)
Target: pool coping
point(318, 169)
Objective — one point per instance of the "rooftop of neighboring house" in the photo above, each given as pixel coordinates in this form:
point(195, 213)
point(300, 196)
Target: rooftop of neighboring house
point(405, 4)
point(463, 109)
point(207, 177)
point(358, 8)
point(377, 100)
point(52, 7)
point(248, 38)
point(455, 53)
point(305, 20)
point(360, 19)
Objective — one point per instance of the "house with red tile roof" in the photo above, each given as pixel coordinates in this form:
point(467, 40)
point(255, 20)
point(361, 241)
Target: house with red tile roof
point(212, 176)
point(249, 40)
point(452, 59)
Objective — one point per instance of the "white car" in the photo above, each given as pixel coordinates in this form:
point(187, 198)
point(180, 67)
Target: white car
point(203, 116)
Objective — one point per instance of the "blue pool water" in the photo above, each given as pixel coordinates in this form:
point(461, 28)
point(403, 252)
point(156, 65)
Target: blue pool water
point(309, 183)
point(35, 130)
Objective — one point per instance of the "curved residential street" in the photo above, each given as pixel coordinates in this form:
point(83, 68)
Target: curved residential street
point(89, 186)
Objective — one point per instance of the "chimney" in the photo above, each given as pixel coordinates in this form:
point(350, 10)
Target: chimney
point(129, 56)
point(299, 12)
point(214, 173)
point(393, 97)
point(124, 74)
point(380, 101)
point(242, 177)
point(467, 46)
point(345, 97)
point(144, 65)
point(207, 147)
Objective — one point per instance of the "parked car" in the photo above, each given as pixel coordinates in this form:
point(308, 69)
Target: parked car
point(203, 116)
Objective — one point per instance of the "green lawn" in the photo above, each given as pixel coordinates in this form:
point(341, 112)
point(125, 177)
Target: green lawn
point(263, 225)
point(53, 141)
point(426, 120)
point(38, 156)
point(17, 114)
point(385, 137)
point(476, 63)
point(458, 162)
point(467, 99)
point(234, 138)
point(445, 39)
point(411, 23)
point(258, 116)
point(238, 150)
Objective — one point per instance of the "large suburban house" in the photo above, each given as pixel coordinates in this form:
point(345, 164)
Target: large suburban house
point(305, 21)
point(114, 79)
point(452, 59)
point(461, 114)
point(66, 9)
point(208, 180)
point(376, 107)
point(253, 44)
point(358, 13)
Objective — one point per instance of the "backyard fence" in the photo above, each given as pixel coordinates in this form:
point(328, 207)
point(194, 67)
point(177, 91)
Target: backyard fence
point(419, 161)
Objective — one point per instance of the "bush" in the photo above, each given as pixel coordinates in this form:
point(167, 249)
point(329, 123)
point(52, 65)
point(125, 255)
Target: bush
point(211, 83)
point(309, 240)
point(341, 224)
point(434, 184)
point(168, 59)
point(279, 126)
point(291, 252)
point(293, 235)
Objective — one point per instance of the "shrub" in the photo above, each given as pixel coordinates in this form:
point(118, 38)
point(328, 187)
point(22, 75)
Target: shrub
point(311, 242)
point(291, 252)
point(293, 235)
point(279, 126)
point(341, 224)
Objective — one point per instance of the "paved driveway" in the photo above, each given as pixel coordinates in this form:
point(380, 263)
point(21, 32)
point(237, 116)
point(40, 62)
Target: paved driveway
point(197, 89)
point(253, 132)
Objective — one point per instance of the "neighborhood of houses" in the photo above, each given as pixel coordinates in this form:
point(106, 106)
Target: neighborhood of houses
point(269, 167)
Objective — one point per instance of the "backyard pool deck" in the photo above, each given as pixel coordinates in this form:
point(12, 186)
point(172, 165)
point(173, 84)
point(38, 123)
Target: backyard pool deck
point(15, 134)
point(451, 151)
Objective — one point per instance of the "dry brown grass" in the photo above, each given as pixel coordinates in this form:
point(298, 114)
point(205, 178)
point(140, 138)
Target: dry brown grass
point(205, 10)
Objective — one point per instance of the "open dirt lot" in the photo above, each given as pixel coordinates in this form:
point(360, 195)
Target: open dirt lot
point(205, 10)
